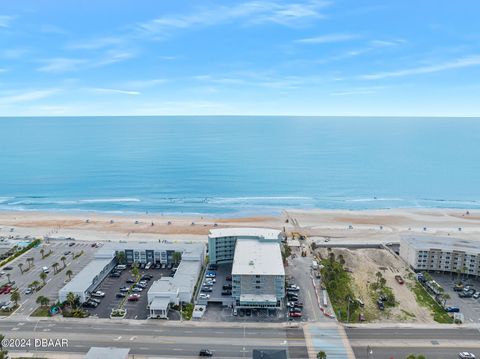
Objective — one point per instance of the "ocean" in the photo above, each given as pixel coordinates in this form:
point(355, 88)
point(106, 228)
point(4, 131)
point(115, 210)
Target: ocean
point(237, 166)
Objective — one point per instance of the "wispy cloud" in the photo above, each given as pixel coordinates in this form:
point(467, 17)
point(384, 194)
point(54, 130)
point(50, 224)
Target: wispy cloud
point(110, 91)
point(112, 57)
point(328, 38)
point(61, 64)
point(454, 64)
point(3, 70)
point(30, 95)
point(253, 12)
point(5, 21)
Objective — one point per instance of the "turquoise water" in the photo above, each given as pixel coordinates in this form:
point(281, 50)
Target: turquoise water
point(237, 165)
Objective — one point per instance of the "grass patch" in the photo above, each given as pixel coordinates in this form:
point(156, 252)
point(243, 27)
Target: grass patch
point(187, 311)
point(338, 283)
point(6, 313)
point(41, 312)
point(425, 300)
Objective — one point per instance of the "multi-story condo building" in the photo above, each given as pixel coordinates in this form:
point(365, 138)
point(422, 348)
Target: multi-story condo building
point(444, 254)
point(258, 276)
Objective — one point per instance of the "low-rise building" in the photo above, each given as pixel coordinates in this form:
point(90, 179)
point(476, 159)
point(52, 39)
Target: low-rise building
point(446, 254)
point(190, 259)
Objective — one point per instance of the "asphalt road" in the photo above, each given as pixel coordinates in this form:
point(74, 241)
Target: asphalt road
point(400, 342)
point(159, 340)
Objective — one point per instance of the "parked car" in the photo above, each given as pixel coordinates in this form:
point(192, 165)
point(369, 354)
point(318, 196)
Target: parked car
point(90, 304)
point(66, 253)
point(124, 289)
point(29, 291)
point(95, 300)
point(295, 314)
point(71, 244)
point(120, 295)
point(212, 266)
point(380, 304)
point(226, 292)
point(204, 296)
point(130, 281)
point(466, 355)
point(114, 274)
point(248, 312)
point(8, 268)
point(133, 297)
point(452, 309)
point(206, 289)
point(98, 294)
point(476, 295)
point(120, 267)
point(137, 289)
point(228, 278)
point(205, 353)
point(227, 286)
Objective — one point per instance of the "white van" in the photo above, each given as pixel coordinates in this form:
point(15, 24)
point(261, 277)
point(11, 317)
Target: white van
point(121, 267)
point(45, 270)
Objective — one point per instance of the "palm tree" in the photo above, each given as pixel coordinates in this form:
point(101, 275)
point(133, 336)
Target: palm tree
point(321, 355)
point(42, 252)
point(55, 267)
point(69, 273)
point(121, 257)
point(135, 271)
point(177, 257)
point(446, 297)
point(15, 297)
point(30, 262)
point(73, 255)
point(63, 259)
point(34, 284)
point(20, 266)
point(43, 301)
point(43, 276)
point(71, 299)
point(8, 277)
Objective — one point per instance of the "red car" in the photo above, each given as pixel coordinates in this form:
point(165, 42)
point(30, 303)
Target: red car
point(295, 314)
point(7, 290)
point(133, 297)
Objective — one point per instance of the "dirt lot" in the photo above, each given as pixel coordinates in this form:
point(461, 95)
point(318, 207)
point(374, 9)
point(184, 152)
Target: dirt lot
point(364, 263)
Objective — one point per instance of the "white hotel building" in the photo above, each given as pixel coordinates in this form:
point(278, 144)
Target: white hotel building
point(444, 254)
point(258, 276)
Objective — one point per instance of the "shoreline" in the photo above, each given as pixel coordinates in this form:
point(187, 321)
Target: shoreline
point(355, 225)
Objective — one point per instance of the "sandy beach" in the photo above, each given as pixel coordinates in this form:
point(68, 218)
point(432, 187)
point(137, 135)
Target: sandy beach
point(338, 225)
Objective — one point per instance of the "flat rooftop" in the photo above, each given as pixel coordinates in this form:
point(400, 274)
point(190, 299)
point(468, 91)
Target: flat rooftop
point(174, 246)
point(443, 243)
point(85, 277)
point(264, 233)
point(107, 352)
point(254, 257)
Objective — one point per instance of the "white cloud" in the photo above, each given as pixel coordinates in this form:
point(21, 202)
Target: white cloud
point(110, 91)
point(5, 21)
point(3, 70)
point(253, 12)
point(61, 64)
point(112, 57)
point(454, 64)
point(329, 38)
point(26, 96)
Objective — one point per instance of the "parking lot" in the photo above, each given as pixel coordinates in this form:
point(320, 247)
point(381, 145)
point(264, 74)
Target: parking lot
point(135, 309)
point(469, 307)
point(54, 282)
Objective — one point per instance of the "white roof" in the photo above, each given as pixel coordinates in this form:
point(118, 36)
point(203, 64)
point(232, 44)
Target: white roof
point(162, 286)
point(160, 303)
point(86, 276)
point(254, 257)
point(107, 352)
point(443, 243)
point(265, 233)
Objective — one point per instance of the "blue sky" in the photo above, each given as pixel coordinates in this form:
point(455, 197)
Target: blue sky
point(334, 57)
